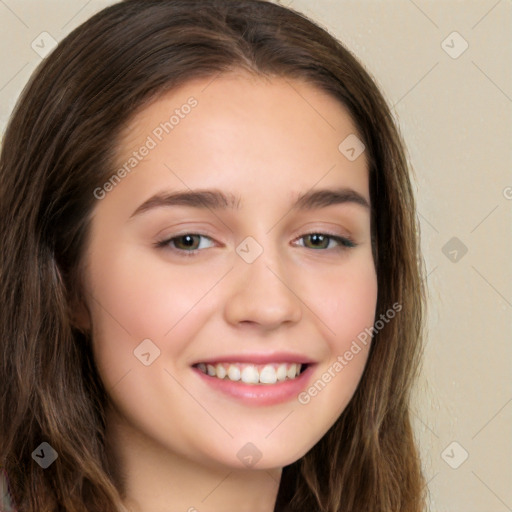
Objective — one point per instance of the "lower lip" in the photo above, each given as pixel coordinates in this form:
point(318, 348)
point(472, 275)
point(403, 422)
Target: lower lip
point(260, 394)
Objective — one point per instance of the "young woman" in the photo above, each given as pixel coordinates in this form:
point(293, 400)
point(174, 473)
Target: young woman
point(210, 279)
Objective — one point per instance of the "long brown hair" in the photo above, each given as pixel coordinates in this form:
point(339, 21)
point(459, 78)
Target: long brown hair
point(60, 145)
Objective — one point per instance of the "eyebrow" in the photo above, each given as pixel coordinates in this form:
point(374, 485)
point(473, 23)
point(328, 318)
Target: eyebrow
point(217, 200)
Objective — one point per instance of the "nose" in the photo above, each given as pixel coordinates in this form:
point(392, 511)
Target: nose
point(262, 294)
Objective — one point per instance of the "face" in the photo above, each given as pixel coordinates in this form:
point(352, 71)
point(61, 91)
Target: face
point(263, 282)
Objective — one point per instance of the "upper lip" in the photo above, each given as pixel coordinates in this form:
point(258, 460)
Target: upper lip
point(254, 358)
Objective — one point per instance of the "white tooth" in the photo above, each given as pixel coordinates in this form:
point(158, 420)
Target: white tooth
point(233, 373)
point(250, 375)
point(299, 368)
point(221, 371)
point(268, 375)
point(202, 367)
point(281, 372)
point(292, 371)
point(211, 370)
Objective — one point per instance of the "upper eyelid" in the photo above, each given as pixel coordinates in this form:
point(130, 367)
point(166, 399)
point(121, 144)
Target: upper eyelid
point(299, 233)
point(312, 232)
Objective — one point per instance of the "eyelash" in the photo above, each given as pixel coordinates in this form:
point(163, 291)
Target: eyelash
point(345, 243)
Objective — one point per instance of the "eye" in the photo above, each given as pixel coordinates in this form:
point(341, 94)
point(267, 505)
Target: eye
point(187, 244)
point(323, 241)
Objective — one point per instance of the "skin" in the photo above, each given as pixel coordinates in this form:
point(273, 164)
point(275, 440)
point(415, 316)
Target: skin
point(176, 439)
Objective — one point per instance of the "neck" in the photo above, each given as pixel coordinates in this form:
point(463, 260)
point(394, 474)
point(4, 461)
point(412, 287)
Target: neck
point(153, 478)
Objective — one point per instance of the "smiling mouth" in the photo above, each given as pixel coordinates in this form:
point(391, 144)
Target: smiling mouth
point(269, 374)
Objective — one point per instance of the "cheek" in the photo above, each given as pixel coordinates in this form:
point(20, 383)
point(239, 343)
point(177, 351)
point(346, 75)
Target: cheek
point(134, 299)
point(144, 297)
point(346, 300)
point(347, 309)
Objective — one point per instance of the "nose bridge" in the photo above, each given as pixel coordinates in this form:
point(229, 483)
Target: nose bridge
point(261, 263)
point(261, 291)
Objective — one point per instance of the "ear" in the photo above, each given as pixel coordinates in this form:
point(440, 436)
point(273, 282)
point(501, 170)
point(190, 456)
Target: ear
point(80, 317)
point(77, 310)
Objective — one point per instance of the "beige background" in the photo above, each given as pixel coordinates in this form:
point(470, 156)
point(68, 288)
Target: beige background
point(455, 116)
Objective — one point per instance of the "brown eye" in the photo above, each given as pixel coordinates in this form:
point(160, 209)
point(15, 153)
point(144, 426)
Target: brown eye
point(318, 241)
point(187, 244)
point(322, 241)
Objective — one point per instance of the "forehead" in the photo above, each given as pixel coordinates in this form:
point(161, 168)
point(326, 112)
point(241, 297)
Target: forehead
point(245, 134)
point(252, 104)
